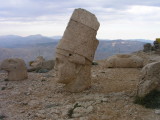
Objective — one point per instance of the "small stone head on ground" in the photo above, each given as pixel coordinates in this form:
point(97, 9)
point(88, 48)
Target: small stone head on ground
point(15, 67)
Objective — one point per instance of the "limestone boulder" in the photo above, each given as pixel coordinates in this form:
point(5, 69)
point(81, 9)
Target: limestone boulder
point(149, 79)
point(124, 61)
point(16, 68)
point(37, 62)
point(41, 63)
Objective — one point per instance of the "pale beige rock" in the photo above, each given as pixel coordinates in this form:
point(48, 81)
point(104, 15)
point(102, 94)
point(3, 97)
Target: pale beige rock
point(149, 79)
point(75, 51)
point(37, 62)
point(86, 18)
point(82, 111)
point(124, 61)
point(79, 39)
point(16, 69)
point(41, 63)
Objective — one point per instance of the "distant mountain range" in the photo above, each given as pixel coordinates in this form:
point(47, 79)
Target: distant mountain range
point(139, 40)
point(28, 48)
point(13, 41)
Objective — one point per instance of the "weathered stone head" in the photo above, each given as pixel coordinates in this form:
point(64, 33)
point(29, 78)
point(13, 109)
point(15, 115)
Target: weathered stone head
point(16, 68)
point(75, 51)
point(124, 61)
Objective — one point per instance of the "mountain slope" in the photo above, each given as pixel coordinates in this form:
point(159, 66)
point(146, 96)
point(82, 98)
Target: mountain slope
point(28, 48)
point(47, 50)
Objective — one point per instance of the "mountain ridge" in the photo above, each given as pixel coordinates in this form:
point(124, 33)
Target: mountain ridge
point(28, 48)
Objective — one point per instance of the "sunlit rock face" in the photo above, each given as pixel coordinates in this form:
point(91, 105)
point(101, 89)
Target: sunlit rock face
point(124, 61)
point(16, 69)
point(75, 51)
point(37, 62)
point(149, 79)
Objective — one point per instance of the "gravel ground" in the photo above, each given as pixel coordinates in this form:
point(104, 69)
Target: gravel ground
point(40, 97)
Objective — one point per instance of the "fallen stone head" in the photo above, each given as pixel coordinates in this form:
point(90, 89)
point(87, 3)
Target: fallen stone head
point(15, 67)
point(124, 61)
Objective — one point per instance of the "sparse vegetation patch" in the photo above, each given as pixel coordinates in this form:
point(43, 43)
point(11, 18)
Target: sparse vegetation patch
point(151, 100)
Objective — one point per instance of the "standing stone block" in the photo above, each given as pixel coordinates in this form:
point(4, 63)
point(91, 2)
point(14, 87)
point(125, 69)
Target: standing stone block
point(75, 51)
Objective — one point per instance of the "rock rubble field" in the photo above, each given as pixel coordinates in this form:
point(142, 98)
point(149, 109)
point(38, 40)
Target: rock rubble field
point(110, 97)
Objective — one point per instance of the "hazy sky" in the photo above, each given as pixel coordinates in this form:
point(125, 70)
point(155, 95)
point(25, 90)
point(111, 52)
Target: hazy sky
point(119, 19)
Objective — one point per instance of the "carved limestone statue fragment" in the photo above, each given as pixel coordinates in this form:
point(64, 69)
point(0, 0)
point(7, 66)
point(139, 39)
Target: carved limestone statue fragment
point(16, 68)
point(75, 51)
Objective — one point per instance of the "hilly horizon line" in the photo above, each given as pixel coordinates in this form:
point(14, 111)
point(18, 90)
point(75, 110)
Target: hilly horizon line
point(59, 37)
